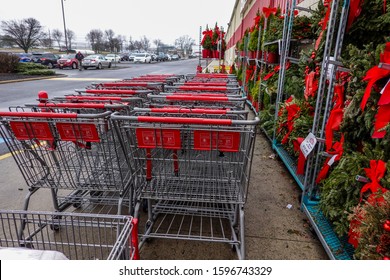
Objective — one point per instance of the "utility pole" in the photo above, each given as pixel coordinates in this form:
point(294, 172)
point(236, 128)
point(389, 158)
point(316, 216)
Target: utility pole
point(63, 17)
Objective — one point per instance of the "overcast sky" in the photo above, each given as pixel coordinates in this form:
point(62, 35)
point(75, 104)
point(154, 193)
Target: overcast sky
point(156, 19)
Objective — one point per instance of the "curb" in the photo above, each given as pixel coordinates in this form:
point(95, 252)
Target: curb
point(33, 79)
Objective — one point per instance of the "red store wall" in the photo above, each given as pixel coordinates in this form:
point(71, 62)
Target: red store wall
point(247, 22)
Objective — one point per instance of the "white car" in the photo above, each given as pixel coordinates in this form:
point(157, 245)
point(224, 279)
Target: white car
point(142, 57)
point(114, 57)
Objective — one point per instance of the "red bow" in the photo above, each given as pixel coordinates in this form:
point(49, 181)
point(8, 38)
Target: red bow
point(268, 11)
point(355, 8)
point(375, 74)
point(292, 113)
point(375, 173)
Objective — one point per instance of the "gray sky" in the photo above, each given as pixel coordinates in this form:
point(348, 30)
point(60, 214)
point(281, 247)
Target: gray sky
point(156, 19)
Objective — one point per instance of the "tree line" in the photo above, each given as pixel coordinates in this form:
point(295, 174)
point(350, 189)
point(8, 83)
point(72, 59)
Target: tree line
point(29, 33)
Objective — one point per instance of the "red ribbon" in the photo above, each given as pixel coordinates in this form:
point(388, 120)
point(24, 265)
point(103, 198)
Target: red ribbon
point(268, 11)
point(336, 149)
point(301, 158)
point(276, 70)
point(355, 8)
point(323, 23)
point(292, 113)
point(311, 85)
point(382, 119)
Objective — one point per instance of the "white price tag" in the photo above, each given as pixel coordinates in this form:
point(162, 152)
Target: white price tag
point(331, 161)
point(308, 144)
point(387, 85)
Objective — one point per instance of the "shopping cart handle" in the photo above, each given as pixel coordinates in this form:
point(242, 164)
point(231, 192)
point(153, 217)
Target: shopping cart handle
point(96, 98)
point(190, 97)
point(79, 105)
point(49, 115)
point(179, 110)
point(130, 84)
point(175, 120)
point(113, 91)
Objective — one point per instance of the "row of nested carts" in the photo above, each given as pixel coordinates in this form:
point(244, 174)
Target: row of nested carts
point(155, 156)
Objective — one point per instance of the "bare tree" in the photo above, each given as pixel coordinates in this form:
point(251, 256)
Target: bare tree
point(70, 34)
point(24, 33)
point(110, 36)
point(145, 43)
point(95, 38)
point(46, 40)
point(157, 42)
point(184, 43)
point(131, 46)
point(138, 45)
point(57, 36)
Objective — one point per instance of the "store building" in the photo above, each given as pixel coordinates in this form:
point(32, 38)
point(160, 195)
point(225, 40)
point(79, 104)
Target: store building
point(244, 12)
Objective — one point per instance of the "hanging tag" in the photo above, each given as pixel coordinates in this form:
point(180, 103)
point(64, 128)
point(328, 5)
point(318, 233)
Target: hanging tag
point(387, 84)
point(308, 144)
point(330, 69)
point(331, 161)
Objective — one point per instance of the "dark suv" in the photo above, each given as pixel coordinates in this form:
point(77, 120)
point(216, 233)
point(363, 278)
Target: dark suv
point(48, 59)
point(162, 57)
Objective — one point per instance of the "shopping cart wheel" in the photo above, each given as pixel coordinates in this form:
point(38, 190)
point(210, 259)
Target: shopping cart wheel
point(55, 225)
point(28, 244)
point(96, 196)
point(76, 205)
point(145, 206)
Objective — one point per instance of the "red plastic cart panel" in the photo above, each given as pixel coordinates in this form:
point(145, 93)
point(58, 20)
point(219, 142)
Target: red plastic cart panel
point(31, 130)
point(78, 132)
point(151, 138)
point(224, 141)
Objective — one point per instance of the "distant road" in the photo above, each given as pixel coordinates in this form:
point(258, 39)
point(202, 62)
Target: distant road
point(17, 94)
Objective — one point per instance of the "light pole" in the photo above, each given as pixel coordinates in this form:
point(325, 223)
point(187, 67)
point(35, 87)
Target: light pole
point(63, 17)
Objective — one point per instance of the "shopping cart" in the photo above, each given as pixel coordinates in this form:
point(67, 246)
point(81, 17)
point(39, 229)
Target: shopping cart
point(216, 101)
point(77, 153)
point(193, 171)
point(77, 236)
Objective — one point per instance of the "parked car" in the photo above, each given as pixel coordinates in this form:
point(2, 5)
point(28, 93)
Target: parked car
point(175, 57)
point(162, 57)
point(142, 57)
point(124, 56)
point(154, 57)
point(193, 55)
point(114, 57)
point(48, 59)
point(68, 60)
point(97, 61)
point(131, 57)
point(24, 57)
